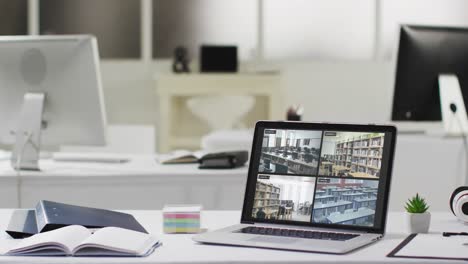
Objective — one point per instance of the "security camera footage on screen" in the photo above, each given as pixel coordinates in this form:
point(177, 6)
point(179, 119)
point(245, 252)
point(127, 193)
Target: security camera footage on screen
point(310, 176)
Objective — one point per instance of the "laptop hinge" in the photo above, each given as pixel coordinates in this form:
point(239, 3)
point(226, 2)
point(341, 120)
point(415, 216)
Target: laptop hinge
point(325, 229)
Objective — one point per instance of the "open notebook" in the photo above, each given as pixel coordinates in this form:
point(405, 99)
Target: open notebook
point(181, 156)
point(79, 241)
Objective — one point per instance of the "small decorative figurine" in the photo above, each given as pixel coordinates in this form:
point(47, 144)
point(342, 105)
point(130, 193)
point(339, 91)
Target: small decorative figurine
point(181, 61)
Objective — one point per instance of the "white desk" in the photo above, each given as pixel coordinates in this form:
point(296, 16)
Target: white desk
point(139, 184)
point(430, 165)
point(180, 248)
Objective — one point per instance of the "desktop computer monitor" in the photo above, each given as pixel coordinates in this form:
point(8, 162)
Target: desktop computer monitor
point(424, 54)
point(49, 85)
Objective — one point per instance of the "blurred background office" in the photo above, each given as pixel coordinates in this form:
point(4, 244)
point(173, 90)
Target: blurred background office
point(336, 58)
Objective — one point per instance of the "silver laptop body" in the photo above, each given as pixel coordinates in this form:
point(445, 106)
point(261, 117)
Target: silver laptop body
point(319, 202)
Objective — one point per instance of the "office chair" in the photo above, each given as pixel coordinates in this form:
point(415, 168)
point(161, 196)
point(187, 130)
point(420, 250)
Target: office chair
point(281, 212)
point(260, 214)
point(295, 155)
point(300, 207)
point(305, 208)
point(266, 165)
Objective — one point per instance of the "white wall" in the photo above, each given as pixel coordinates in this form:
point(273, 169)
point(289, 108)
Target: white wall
point(129, 92)
point(340, 91)
point(329, 91)
point(298, 192)
point(328, 147)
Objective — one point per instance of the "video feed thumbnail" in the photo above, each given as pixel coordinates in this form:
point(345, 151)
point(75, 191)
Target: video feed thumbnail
point(351, 154)
point(345, 201)
point(283, 197)
point(290, 151)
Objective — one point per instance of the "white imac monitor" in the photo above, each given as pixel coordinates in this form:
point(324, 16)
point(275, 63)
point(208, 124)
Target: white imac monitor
point(49, 85)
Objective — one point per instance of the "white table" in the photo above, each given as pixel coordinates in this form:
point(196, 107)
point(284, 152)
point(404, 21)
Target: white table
point(179, 248)
point(140, 184)
point(430, 165)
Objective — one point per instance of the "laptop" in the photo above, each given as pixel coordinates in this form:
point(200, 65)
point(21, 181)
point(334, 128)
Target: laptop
point(314, 187)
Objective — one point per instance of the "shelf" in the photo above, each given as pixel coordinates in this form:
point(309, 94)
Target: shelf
point(356, 157)
point(271, 198)
point(179, 128)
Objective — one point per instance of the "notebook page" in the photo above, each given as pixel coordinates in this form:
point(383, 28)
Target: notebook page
point(436, 245)
point(121, 240)
point(6, 243)
point(199, 154)
point(69, 237)
point(42, 251)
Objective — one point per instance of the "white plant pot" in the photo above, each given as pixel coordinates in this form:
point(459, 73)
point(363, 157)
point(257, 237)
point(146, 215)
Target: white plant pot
point(419, 223)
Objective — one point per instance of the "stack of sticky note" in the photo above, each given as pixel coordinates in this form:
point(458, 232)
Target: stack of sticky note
point(181, 218)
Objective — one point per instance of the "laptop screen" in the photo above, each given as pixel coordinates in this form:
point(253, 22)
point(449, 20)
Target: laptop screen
point(320, 177)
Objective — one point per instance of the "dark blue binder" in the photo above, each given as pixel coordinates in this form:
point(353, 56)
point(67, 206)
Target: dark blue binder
point(50, 215)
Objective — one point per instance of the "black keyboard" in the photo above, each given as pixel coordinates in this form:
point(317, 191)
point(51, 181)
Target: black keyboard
point(297, 233)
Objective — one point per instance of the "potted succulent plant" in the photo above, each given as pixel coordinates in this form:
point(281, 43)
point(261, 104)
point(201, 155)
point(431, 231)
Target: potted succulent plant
point(419, 218)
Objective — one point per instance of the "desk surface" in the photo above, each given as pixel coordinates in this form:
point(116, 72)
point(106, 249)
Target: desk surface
point(179, 248)
point(141, 183)
point(139, 165)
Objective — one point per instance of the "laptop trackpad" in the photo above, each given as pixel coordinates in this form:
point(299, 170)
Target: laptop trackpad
point(273, 239)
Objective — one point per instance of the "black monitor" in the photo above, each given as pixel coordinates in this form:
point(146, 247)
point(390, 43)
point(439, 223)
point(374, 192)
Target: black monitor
point(424, 53)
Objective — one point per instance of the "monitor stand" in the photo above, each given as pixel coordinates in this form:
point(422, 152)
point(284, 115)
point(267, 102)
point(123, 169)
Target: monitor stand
point(454, 117)
point(25, 155)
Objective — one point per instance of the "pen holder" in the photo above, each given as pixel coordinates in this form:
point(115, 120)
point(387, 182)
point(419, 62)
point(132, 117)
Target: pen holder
point(181, 219)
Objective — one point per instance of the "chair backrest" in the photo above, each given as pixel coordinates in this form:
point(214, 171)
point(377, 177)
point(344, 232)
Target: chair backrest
point(260, 214)
point(281, 210)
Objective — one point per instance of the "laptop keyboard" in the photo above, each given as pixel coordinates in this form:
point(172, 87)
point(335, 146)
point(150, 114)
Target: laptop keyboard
point(297, 233)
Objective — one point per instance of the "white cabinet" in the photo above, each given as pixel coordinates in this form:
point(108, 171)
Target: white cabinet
point(178, 128)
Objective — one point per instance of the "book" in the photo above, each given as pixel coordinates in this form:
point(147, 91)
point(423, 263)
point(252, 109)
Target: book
point(181, 156)
point(50, 215)
point(213, 160)
point(77, 241)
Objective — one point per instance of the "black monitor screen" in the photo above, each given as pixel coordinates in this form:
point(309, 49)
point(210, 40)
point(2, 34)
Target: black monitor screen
point(424, 53)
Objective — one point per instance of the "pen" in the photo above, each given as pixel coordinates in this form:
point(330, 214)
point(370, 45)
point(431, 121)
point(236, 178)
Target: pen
point(447, 234)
